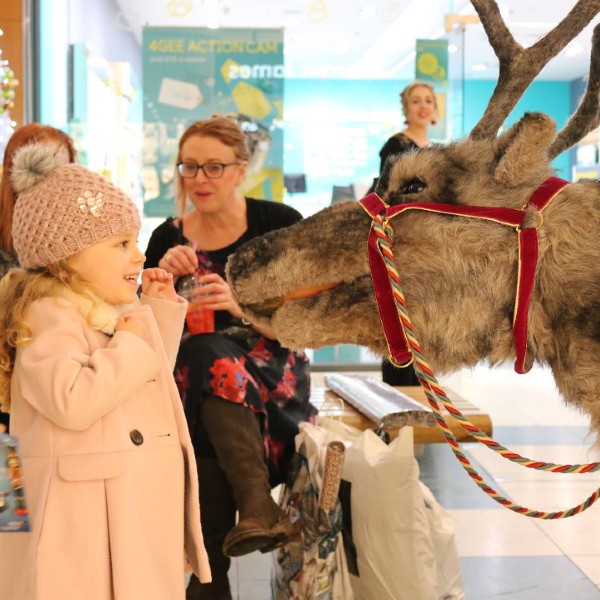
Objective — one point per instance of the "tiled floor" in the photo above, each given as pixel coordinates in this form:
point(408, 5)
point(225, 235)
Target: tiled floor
point(505, 555)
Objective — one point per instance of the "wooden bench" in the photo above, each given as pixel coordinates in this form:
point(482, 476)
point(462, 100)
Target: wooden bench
point(331, 405)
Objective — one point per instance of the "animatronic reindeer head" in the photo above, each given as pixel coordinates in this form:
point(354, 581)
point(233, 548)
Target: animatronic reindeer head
point(312, 282)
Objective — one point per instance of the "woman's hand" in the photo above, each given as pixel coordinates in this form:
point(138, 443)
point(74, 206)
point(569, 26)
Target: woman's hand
point(215, 294)
point(179, 260)
point(158, 283)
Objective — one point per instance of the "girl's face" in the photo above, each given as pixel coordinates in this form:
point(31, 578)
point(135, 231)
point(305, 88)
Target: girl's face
point(211, 195)
point(420, 109)
point(111, 268)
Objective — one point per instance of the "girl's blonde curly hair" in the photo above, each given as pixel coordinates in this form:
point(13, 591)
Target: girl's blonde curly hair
point(18, 290)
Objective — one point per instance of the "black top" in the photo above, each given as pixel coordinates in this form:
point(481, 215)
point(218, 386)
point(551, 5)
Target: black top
point(262, 216)
point(397, 144)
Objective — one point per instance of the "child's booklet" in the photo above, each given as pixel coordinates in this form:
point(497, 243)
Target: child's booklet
point(13, 508)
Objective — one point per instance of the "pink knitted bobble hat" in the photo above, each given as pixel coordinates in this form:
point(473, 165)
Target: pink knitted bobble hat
point(63, 208)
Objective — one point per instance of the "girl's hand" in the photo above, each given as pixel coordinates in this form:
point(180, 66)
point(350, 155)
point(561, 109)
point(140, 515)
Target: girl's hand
point(179, 260)
point(158, 283)
point(215, 294)
point(134, 325)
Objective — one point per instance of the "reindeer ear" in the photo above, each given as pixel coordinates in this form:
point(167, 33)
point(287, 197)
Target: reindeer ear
point(523, 149)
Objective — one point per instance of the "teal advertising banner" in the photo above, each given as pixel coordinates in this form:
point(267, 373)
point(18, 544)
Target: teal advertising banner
point(192, 73)
point(431, 62)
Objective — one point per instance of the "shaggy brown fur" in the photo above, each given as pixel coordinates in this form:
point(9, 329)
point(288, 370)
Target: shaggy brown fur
point(459, 274)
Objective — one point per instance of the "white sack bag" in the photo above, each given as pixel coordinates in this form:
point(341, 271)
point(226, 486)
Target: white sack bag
point(443, 538)
point(387, 522)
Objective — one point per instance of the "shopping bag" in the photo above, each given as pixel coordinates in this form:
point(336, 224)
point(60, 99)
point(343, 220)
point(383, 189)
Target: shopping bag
point(13, 508)
point(389, 534)
point(443, 537)
point(313, 567)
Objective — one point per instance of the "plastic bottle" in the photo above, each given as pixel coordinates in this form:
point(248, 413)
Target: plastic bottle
point(198, 318)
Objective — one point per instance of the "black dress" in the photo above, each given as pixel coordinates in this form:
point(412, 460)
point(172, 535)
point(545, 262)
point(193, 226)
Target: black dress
point(236, 363)
point(397, 144)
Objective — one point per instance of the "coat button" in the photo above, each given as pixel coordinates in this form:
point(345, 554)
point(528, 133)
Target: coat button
point(136, 437)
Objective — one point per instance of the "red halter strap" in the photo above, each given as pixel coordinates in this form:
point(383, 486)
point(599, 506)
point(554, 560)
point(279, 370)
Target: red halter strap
point(380, 212)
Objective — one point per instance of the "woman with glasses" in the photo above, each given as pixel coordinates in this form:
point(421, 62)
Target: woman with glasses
point(243, 393)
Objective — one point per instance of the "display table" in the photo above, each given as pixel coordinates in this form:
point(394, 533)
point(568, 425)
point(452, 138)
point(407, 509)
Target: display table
point(331, 405)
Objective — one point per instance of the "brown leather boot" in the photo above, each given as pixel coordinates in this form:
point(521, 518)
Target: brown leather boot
point(235, 435)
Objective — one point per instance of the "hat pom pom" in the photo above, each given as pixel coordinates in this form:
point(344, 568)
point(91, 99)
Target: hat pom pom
point(33, 162)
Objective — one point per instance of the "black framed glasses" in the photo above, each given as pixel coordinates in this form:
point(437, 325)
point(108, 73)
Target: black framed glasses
point(212, 170)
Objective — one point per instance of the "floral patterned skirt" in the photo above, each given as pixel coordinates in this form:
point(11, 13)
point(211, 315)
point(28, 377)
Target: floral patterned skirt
point(241, 366)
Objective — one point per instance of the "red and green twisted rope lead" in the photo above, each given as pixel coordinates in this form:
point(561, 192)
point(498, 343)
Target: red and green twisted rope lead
point(435, 393)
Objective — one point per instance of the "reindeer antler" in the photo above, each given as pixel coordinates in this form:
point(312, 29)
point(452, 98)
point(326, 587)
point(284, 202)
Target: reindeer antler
point(587, 115)
point(519, 66)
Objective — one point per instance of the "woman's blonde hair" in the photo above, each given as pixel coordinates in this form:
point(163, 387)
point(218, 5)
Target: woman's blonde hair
point(221, 127)
point(23, 136)
point(406, 92)
point(18, 290)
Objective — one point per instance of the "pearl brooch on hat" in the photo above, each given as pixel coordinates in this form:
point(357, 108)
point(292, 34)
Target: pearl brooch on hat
point(90, 203)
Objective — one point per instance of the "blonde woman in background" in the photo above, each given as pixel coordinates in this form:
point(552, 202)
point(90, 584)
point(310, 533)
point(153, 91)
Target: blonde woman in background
point(419, 106)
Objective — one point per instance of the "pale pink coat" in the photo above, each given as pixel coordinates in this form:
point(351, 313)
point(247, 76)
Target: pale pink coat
point(107, 515)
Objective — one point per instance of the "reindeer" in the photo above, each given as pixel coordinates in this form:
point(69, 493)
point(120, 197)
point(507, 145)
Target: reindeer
point(313, 284)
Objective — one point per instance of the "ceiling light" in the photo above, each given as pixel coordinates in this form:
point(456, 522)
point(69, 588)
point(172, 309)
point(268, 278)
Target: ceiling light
point(479, 67)
point(213, 12)
point(368, 11)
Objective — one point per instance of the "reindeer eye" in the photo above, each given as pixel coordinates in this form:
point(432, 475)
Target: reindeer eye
point(414, 186)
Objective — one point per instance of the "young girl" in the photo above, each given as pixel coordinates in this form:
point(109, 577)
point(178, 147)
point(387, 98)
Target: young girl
point(86, 371)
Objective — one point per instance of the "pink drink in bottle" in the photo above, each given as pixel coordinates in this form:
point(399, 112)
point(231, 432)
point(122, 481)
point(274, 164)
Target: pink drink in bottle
point(198, 318)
